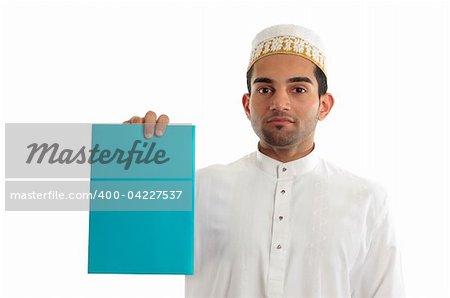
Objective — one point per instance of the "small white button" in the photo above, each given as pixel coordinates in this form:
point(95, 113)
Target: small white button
point(279, 246)
point(284, 169)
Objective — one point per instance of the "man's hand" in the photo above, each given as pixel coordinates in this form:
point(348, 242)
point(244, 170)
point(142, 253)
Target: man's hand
point(153, 125)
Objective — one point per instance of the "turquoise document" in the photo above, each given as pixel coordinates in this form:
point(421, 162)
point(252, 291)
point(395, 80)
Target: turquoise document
point(141, 217)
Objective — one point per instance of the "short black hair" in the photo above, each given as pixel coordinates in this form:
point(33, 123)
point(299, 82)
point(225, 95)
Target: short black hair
point(318, 74)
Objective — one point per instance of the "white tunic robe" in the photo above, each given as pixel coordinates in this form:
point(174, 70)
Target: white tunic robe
point(305, 228)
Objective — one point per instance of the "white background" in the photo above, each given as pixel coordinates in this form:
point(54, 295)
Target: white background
point(103, 62)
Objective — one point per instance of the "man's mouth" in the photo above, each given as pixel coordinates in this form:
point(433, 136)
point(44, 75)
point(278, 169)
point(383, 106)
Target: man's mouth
point(280, 120)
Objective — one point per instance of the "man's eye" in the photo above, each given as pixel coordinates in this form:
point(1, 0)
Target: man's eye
point(299, 90)
point(264, 90)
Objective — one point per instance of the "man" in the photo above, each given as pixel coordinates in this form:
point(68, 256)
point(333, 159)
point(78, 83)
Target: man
point(282, 222)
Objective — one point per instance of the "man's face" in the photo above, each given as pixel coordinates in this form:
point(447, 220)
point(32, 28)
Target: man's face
point(284, 105)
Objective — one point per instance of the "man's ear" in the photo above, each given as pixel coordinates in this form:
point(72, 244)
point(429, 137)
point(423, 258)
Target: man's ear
point(326, 104)
point(246, 104)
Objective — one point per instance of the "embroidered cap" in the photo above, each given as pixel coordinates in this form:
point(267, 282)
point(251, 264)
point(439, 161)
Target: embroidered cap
point(288, 39)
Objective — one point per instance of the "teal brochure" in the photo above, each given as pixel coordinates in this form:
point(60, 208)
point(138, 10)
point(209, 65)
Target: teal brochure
point(141, 217)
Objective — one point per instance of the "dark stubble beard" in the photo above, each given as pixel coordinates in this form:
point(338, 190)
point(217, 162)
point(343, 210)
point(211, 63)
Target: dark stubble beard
point(279, 136)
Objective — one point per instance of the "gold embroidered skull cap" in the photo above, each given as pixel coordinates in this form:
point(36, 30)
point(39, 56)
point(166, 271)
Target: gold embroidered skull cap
point(288, 39)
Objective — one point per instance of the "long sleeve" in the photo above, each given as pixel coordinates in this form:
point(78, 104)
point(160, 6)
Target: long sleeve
point(380, 273)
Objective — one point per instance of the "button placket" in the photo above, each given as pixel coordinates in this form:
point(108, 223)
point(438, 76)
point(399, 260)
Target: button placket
point(280, 226)
point(280, 231)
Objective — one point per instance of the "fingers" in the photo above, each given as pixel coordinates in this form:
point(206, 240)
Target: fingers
point(149, 124)
point(134, 120)
point(152, 124)
point(161, 125)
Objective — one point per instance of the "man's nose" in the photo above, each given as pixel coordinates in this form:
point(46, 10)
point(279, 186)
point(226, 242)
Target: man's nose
point(280, 101)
